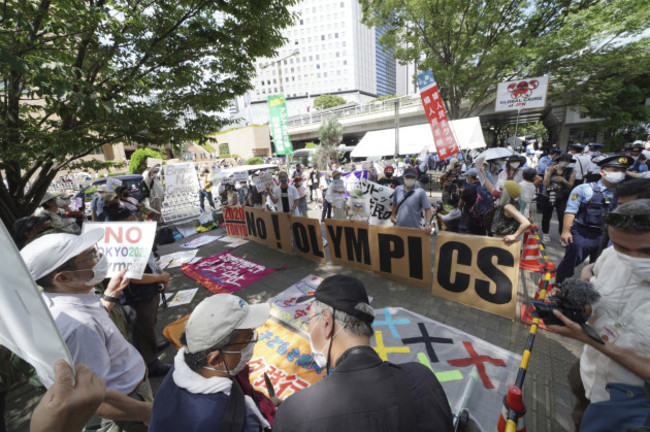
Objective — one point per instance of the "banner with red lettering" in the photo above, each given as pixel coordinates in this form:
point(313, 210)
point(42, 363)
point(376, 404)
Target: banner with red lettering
point(225, 273)
point(126, 245)
point(235, 221)
point(434, 108)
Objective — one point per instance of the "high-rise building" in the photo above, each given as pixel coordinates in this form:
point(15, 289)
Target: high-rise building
point(328, 51)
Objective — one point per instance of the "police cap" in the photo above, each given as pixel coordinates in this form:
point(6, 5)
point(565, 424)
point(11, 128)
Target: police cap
point(620, 161)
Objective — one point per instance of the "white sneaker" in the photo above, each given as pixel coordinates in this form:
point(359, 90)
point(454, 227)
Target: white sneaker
point(546, 238)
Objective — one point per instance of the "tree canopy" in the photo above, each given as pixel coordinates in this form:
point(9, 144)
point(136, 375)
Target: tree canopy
point(329, 134)
point(328, 101)
point(80, 74)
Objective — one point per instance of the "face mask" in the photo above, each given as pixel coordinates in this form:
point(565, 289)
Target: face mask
point(515, 165)
point(564, 164)
point(613, 177)
point(594, 153)
point(99, 272)
point(284, 180)
point(245, 356)
point(409, 182)
point(389, 174)
point(156, 171)
point(60, 202)
point(319, 356)
point(638, 266)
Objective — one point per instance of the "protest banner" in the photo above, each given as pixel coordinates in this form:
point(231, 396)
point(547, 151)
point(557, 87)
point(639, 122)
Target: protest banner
point(126, 245)
point(380, 200)
point(256, 223)
point(26, 325)
point(267, 181)
point(307, 238)
point(225, 273)
point(200, 241)
point(401, 254)
point(112, 183)
point(520, 94)
point(152, 162)
point(180, 179)
point(366, 165)
point(240, 176)
point(235, 221)
point(349, 243)
point(475, 374)
point(284, 307)
point(351, 179)
point(279, 124)
point(443, 136)
point(272, 229)
point(482, 272)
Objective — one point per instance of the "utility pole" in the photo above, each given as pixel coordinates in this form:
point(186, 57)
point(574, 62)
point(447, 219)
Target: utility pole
point(396, 128)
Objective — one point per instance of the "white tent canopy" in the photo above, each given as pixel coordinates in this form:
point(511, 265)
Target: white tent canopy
point(414, 139)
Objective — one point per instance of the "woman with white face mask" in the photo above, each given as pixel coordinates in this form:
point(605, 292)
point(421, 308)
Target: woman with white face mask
point(558, 182)
point(514, 171)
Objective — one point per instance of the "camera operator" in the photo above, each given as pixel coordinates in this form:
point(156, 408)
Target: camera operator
point(616, 369)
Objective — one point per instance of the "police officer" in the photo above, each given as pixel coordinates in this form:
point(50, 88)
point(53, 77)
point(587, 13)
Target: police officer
point(634, 151)
point(583, 217)
point(548, 160)
point(582, 163)
point(595, 155)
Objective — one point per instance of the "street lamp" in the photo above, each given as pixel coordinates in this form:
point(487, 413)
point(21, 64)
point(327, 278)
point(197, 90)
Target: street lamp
point(278, 62)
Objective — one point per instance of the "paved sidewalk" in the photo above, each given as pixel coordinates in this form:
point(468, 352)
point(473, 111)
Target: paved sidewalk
point(547, 395)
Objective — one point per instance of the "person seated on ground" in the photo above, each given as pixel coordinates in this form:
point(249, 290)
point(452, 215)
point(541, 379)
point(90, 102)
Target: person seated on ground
point(507, 220)
point(28, 228)
point(140, 301)
point(68, 267)
point(49, 207)
point(201, 393)
point(362, 392)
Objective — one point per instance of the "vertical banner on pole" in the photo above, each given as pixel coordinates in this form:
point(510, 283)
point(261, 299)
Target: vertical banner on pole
point(279, 124)
point(443, 136)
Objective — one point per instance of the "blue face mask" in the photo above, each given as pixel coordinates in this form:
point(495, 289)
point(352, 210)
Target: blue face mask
point(284, 180)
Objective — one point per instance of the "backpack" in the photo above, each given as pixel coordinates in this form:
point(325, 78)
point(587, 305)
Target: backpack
point(481, 207)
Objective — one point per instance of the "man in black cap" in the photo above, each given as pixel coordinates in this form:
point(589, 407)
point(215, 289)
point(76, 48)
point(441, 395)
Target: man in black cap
point(362, 393)
point(409, 201)
point(585, 210)
point(635, 151)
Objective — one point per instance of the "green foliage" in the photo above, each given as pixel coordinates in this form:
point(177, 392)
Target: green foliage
point(328, 101)
point(138, 162)
point(77, 75)
point(311, 145)
point(208, 148)
point(254, 161)
point(224, 150)
point(330, 135)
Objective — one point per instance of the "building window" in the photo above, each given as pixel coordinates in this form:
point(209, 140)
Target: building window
point(342, 4)
point(322, 37)
point(301, 22)
point(317, 66)
point(336, 35)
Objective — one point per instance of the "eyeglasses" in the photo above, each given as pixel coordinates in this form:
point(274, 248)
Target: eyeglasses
point(637, 222)
point(254, 339)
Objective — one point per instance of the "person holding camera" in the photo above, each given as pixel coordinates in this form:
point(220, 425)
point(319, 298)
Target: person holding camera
point(558, 182)
point(609, 377)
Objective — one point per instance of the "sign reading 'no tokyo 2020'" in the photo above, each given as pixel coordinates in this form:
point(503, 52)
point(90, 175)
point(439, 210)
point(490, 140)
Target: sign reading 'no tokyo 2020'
point(521, 94)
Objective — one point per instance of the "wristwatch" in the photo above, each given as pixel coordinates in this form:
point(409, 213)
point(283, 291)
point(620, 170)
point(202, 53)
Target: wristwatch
point(109, 298)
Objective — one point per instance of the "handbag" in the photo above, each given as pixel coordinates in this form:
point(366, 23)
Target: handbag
point(627, 407)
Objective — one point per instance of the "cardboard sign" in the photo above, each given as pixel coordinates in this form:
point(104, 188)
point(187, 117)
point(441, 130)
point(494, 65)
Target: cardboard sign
point(271, 229)
point(257, 182)
point(267, 180)
point(286, 358)
point(152, 162)
point(482, 272)
point(26, 325)
point(284, 307)
point(349, 243)
point(125, 245)
point(240, 176)
point(308, 239)
point(380, 199)
point(256, 223)
point(235, 221)
point(401, 254)
point(227, 180)
point(180, 179)
point(521, 93)
point(366, 165)
point(113, 183)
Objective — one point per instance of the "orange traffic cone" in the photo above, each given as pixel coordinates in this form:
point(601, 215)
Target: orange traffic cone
point(512, 401)
point(530, 259)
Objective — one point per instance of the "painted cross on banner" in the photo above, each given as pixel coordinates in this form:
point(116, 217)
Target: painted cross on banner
point(434, 108)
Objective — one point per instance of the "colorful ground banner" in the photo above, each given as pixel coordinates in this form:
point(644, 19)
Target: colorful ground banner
point(279, 124)
point(200, 241)
point(235, 221)
point(521, 94)
point(126, 245)
point(381, 202)
point(180, 179)
point(434, 108)
point(284, 307)
point(285, 356)
point(225, 273)
point(482, 272)
point(474, 373)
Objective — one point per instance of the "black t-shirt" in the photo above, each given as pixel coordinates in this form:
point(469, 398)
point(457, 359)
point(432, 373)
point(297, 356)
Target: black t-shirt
point(469, 198)
point(393, 182)
point(284, 196)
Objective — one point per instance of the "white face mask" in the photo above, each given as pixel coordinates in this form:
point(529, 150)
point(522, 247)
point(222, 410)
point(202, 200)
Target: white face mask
point(613, 177)
point(246, 356)
point(61, 202)
point(99, 272)
point(515, 165)
point(640, 267)
point(319, 356)
point(410, 182)
point(564, 164)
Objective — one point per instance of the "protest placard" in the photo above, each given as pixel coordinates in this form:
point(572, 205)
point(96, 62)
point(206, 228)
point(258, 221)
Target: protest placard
point(180, 179)
point(176, 259)
point(380, 199)
point(482, 272)
point(183, 297)
point(267, 180)
point(125, 245)
point(307, 238)
point(26, 325)
point(284, 307)
point(366, 165)
point(401, 254)
point(240, 176)
point(521, 93)
point(349, 243)
point(152, 162)
point(235, 220)
point(271, 229)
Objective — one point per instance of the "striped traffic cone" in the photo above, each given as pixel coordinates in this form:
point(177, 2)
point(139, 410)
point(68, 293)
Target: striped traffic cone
point(512, 402)
point(525, 310)
point(530, 259)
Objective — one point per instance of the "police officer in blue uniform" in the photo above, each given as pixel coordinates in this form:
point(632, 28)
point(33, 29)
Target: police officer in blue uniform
point(594, 153)
point(583, 217)
point(634, 151)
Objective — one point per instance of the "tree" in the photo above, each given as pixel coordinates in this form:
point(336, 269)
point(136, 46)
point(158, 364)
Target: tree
point(330, 135)
point(328, 101)
point(311, 145)
point(138, 161)
point(256, 160)
point(77, 75)
point(471, 46)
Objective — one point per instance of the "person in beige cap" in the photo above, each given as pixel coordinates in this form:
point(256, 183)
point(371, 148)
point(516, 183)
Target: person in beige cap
point(68, 267)
point(201, 392)
point(49, 206)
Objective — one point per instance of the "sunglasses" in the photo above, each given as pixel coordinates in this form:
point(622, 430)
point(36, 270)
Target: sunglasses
point(637, 222)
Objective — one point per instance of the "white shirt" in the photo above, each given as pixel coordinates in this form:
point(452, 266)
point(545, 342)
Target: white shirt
point(581, 166)
point(92, 338)
point(624, 309)
point(155, 186)
point(336, 193)
point(292, 195)
point(527, 196)
point(59, 222)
